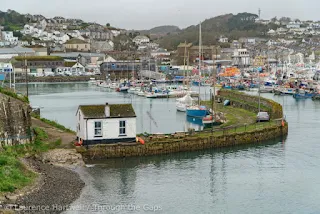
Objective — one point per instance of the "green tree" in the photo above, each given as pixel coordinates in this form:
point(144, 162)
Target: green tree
point(285, 19)
point(274, 19)
point(17, 34)
point(108, 25)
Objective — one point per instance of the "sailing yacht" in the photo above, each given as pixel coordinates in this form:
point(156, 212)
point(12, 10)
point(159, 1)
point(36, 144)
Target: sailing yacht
point(183, 103)
point(198, 110)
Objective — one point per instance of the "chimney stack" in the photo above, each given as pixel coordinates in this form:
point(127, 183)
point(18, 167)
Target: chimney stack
point(107, 110)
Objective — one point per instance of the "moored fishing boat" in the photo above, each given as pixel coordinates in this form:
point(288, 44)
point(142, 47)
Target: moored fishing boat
point(131, 90)
point(283, 91)
point(266, 89)
point(196, 111)
point(114, 85)
point(303, 94)
point(123, 88)
point(151, 95)
point(209, 121)
point(141, 93)
point(134, 90)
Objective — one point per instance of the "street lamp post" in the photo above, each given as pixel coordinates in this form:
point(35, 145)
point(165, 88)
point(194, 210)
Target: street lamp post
point(26, 67)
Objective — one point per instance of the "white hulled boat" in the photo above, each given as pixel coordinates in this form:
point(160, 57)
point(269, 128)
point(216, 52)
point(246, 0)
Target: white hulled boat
point(183, 103)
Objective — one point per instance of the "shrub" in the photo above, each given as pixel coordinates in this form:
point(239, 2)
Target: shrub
point(52, 123)
point(13, 174)
point(12, 94)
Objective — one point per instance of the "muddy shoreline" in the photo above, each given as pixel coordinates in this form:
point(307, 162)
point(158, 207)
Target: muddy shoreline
point(56, 189)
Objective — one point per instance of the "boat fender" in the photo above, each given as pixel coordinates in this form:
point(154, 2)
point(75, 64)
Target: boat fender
point(140, 140)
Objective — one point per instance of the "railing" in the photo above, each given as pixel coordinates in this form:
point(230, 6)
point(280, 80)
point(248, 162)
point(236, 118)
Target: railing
point(221, 131)
point(242, 128)
point(24, 137)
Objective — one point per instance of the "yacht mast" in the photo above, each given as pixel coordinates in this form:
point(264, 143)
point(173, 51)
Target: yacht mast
point(184, 60)
point(200, 44)
point(188, 58)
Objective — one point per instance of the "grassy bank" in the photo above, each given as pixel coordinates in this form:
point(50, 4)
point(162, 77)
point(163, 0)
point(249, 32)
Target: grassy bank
point(238, 129)
point(53, 123)
point(13, 174)
point(250, 102)
point(12, 94)
point(234, 116)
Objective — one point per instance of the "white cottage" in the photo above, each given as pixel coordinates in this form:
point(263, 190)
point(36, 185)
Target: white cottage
point(106, 124)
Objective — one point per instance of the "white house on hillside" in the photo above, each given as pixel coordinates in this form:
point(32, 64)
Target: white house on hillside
point(271, 32)
point(106, 124)
point(241, 57)
point(294, 25)
point(141, 40)
point(116, 32)
point(223, 39)
point(8, 36)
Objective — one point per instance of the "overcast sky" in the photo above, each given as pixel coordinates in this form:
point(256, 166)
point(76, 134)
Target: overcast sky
point(145, 14)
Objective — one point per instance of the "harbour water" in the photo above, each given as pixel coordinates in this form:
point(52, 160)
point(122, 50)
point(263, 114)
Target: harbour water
point(59, 101)
point(279, 177)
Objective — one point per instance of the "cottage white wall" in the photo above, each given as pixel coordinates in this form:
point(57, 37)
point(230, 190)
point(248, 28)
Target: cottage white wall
point(111, 129)
point(81, 122)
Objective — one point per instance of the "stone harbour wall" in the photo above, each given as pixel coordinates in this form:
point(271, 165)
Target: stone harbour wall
point(245, 101)
point(184, 144)
point(15, 121)
point(58, 79)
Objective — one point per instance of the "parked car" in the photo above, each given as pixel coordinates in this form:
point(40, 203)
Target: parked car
point(263, 116)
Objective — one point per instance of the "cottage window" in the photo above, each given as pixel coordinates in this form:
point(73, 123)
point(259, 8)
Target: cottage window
point(97, 129)
point(122, 127)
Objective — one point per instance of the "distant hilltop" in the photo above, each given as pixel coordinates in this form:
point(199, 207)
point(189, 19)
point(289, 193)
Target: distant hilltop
point(11, 20)
point(161, 31)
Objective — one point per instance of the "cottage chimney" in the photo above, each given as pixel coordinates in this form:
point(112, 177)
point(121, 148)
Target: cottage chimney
point(107, 110)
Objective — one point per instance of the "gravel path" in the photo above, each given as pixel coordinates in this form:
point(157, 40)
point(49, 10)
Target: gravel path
point(58, 189)
point(67, 139)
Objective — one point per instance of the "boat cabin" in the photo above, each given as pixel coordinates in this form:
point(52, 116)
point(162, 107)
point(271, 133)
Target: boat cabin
point(106, 124)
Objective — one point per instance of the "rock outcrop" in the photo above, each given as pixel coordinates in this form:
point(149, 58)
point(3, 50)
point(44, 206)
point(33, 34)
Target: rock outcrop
point(15, 121)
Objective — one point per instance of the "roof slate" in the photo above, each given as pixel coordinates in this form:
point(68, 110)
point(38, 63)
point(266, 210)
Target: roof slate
point(116, 111)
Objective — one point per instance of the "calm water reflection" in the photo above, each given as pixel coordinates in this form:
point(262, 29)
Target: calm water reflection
point(280, 177)
point(60, 102)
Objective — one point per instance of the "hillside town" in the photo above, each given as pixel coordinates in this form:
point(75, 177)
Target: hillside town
point(84, 48)
point(149, 118)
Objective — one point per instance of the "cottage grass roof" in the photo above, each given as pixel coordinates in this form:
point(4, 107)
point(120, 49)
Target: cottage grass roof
point(116, 111)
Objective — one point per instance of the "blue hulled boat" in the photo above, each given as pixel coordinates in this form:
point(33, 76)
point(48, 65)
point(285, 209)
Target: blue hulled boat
point(302, 94)
point(197, 111)
point(197, 83)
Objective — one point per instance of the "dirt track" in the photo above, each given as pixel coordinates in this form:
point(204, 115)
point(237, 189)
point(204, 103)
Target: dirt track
point(55, 134)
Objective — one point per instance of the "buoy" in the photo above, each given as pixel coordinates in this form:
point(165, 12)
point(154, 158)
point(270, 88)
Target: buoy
point(78, 143)
point(140, 140)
